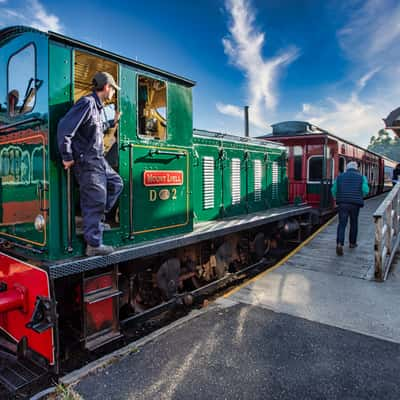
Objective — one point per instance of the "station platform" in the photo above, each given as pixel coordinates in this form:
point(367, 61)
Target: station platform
point(312, 327)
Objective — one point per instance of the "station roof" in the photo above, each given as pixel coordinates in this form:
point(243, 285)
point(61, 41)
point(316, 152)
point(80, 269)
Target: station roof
point(392, 121)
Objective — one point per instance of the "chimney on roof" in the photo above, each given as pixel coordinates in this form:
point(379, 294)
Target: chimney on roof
point(246, 121)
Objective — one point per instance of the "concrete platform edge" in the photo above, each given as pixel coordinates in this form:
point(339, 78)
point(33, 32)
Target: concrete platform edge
point(74, 377)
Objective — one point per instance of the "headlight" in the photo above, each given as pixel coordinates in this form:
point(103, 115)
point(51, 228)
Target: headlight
point(39, 223)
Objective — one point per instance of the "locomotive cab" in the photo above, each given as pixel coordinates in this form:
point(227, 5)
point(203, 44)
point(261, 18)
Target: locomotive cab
point(42, 76)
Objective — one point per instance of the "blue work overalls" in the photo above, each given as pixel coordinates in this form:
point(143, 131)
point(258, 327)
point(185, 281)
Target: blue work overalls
point(80, 138)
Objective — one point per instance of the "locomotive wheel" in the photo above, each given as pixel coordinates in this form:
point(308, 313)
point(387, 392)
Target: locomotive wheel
point(260, 246)
point(168, 277)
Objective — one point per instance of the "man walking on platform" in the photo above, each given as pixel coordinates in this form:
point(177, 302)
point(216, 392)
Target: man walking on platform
point(349, 190)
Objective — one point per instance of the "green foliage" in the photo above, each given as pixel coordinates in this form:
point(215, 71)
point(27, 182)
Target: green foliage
point(64, 393)
point(383, 143)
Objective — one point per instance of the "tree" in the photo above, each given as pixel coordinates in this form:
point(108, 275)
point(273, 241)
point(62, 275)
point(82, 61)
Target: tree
point(384, 144)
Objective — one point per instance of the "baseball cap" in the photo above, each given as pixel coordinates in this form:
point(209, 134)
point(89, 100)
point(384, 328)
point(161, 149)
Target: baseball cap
point(102, 78)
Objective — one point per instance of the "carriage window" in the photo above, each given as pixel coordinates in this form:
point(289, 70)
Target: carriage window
point(152, 108)
point(342, 162)
point(22, 83)
point(315, 169)
point(298, 160)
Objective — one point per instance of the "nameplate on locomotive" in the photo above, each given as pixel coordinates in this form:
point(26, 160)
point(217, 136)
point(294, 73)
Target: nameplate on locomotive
point(163, 178)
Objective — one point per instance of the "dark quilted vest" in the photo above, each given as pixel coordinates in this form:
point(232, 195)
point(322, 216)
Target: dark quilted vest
point(349, 188)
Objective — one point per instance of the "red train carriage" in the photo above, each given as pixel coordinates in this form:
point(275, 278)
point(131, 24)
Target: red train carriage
point(316, 157)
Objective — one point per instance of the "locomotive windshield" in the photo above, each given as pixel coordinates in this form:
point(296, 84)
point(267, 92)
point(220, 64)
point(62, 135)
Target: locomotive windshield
point(22, 84)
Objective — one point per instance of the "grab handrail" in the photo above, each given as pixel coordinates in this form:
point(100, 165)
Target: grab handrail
point(19, 123)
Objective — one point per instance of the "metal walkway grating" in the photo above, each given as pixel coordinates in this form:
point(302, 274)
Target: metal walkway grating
point(15, 375)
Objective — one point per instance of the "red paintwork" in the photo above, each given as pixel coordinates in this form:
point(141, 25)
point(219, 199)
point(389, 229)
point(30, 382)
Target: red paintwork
point(21, 211)
point(163, 178)
point(313, 144)
point(34, 137)
point(14, 298)
point(101, 282)
point(36, 282)
point(100, 315)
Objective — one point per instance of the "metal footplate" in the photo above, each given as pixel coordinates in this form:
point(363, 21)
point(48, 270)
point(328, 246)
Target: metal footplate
point(17, 374)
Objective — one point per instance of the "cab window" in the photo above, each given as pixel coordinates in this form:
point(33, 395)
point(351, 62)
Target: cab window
point(22, 83)
point(152, 108)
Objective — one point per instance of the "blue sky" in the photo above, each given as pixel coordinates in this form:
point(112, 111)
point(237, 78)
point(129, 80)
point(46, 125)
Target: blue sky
point(334, 63)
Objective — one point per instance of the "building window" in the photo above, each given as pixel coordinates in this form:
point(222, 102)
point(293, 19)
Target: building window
point(152, 108)
point(22, 83)
point(315, 169)
point(297, 161)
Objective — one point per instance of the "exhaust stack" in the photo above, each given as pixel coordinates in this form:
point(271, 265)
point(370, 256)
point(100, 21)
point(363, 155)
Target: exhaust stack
point(246, 121)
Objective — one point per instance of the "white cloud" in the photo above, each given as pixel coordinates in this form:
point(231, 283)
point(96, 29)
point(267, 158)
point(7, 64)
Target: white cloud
point(244, 47)
point(42, 19)
point(351, 118)
point(372, 30)
point(362, 82)
point(31, 13)
point(371, 41)
point(229, 109)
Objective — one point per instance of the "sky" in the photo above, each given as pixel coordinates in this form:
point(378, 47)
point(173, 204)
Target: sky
point(335, 63)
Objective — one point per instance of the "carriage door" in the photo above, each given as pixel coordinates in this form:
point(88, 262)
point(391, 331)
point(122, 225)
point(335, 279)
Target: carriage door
point(23, 140)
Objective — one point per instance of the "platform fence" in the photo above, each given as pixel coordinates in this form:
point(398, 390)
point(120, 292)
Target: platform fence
point(387, 236)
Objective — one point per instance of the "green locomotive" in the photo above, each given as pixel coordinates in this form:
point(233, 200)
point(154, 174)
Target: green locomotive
point(194, 203)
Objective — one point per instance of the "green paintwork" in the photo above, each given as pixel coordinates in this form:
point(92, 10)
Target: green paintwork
point(205, 147)
point(223, 151)
point(314, 188)
point(157, 211)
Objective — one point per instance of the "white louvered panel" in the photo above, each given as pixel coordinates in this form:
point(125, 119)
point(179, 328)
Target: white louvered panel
point(257, 180)
point(275, 180)
point(235, 181)
point(208, 183)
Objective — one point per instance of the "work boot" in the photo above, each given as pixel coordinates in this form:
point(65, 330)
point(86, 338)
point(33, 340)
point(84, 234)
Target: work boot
point(339, 250)
point(353, 245)
point(101, 250)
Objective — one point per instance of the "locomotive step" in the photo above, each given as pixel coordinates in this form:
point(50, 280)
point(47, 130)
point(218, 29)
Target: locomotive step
point(103, 339)
point(16, 375)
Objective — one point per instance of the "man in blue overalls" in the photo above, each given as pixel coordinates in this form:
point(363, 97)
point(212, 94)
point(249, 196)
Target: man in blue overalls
point(80, 141)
